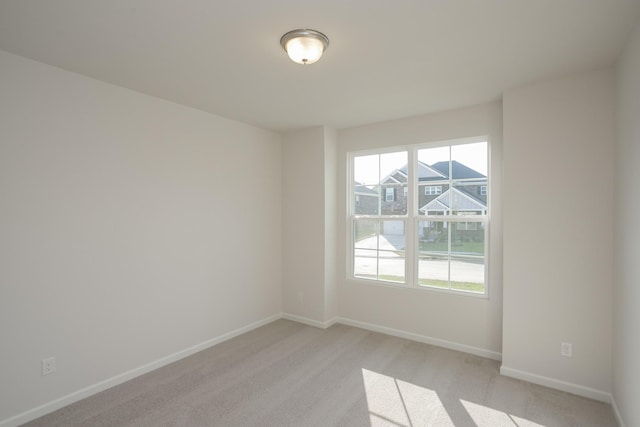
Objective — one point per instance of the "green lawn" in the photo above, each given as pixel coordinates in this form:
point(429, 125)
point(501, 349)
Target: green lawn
point(441, 284)
point(466, 247)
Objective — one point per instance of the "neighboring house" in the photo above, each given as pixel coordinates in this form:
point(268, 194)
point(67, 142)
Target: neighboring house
point(366, 200)
point(394, 193)
point(468, 196)
point(454, 200)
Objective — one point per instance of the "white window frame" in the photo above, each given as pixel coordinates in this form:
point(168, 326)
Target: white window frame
point(483, 190)
point(414, 217)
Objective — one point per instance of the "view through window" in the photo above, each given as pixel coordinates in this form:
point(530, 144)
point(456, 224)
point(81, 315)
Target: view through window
point(419, 216)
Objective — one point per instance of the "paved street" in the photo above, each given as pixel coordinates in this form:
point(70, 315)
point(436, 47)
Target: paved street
point(392, 264)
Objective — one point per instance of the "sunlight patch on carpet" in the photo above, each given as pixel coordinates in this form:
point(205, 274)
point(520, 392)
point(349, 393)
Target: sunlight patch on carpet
point(399, 403)
point(483, 416)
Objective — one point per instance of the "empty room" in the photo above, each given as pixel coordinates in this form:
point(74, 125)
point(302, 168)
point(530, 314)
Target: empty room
point(339, 213)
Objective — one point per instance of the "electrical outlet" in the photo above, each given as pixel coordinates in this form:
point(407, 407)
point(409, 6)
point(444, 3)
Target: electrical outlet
point(48, 366)
point(566, 349)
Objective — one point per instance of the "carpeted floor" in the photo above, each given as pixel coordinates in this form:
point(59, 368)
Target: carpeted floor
point(289, 374)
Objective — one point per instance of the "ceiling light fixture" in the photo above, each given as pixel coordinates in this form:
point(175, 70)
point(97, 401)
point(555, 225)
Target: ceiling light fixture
point(304, 46)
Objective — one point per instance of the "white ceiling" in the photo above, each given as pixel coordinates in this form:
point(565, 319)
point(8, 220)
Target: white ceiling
point(387, 59)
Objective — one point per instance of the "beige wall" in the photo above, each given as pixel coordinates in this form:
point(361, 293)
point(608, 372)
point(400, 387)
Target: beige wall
point(558, 213)
point(309, 231)
point(331, 238)
point(626, 325)
point(130, 229)
point(466, 323)
point(303, 224)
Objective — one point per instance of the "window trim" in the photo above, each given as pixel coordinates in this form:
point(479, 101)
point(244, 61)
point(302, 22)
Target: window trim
point(413, 217)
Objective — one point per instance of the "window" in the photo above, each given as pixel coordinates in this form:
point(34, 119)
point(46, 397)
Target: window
point(390, 194)
point(432, 190)
point(378, 236)
point(426, 242)
point(483, 190)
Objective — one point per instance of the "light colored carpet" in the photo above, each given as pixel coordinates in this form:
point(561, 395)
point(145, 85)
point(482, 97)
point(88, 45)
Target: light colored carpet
point(289, 374)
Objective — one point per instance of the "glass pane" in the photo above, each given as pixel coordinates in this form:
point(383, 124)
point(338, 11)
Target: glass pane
point(391, 267)
point(394, 165)
point(467, 238)
point(379, 250)
point(467, 256)
point(379, 184)
point(469, 160)
point(433, 260)
point(469, 175)
point(433, 162)
point(467, 199)
point(467, 273)
point(365, 233)
point(393, 174)
point(394, 199)
point(365, 263)
point(366, 186)
point(366, 199)
point(366, 169)
point(433, 237)
point(392, 251)
point(365, 251)
point(433, 180)
point(433, 270)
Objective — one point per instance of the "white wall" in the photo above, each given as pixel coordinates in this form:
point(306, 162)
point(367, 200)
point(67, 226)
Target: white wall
point(130, 229)
point(309, 231)
point(558, 213)
point(626, 324)
point(331, 226)
point(468, 323)
point(303, 223)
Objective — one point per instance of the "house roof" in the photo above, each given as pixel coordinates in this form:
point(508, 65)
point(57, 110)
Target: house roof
point(454, 199)
point(364, 190)
point(438, 171)
point(426, 172)
point(458, 170)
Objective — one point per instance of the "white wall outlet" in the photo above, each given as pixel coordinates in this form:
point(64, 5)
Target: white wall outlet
point(566, 349)
point(48, 366)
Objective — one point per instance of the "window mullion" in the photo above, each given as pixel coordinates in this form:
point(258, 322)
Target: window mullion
point(449, 225)
point(411, 240)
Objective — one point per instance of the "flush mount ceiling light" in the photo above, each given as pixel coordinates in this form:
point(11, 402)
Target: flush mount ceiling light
point(304, 46)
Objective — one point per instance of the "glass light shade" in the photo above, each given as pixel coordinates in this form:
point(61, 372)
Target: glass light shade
point(304, 50)
point(304, 46)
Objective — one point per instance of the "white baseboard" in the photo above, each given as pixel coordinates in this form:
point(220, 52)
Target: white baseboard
point(576, 389)
point(310, 322)
point(56, 404)
point(616, 413)
point(422, 338)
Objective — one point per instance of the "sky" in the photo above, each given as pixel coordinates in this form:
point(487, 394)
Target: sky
point(471, 155)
